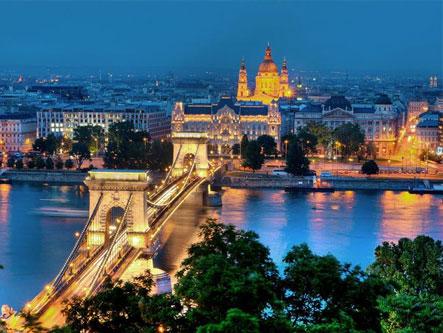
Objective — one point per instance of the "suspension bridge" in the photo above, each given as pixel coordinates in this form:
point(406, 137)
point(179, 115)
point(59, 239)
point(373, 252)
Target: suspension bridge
point(126, 215)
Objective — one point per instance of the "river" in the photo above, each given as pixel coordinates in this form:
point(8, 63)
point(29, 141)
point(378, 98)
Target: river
point(34, 243)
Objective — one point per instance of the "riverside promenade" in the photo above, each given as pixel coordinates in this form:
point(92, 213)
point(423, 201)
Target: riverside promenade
point(238, 179)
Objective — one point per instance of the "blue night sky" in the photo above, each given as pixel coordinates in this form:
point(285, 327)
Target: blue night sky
point(316, 35)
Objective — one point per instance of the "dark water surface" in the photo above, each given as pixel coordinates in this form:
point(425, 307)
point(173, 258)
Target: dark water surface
point(348, 224)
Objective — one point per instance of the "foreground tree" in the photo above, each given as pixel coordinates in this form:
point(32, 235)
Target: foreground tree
point(322, 291)
point(49, 145)
point(227, 269)
point(411, 266)
point(321, 132)
point(92, 136)
point(160, 155)
point(307, 140)
point(254, 158)
point(296, 161)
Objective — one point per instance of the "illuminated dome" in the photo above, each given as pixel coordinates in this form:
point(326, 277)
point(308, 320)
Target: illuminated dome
point(268, 65)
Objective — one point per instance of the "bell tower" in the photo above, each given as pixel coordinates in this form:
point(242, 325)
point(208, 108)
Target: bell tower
point(242, 90)
point(285, 91)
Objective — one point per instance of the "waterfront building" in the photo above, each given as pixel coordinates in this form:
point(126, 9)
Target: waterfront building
point(227, 121)
point(269, 84)
point(378, 121)
point(17, 132)
point(415, 108)
point(62, 119)
point(429, 131)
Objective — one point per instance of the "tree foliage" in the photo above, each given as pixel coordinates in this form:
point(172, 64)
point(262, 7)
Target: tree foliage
point(80, 152)
point(49, 145)
point(296, 161)
point(227, 269)
point(370, 168)
point(267, 143)
point(254, 158)
point(349, 138)
point(244, 146)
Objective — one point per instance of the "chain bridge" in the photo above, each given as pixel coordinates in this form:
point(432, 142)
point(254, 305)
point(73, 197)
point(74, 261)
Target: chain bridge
point(126, 215)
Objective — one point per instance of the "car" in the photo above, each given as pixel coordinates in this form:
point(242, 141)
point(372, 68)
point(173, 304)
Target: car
point(326, 174)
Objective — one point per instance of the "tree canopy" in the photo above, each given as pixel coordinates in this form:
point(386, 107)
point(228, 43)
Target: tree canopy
point(349, 138)
point(267, 143)
point(253, 158)
point(296, 161)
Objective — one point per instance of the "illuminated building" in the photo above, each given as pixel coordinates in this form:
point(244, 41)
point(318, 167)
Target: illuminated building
point(17, 132)
point(226, 122)
point(433, 82)
point(378, 121)
point(269, 84)
point(62, 119)
point(429, 131)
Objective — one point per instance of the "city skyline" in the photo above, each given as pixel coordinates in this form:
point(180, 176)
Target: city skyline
point(321, 35)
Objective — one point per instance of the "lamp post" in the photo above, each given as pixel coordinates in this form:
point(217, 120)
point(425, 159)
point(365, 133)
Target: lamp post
point(286, 147)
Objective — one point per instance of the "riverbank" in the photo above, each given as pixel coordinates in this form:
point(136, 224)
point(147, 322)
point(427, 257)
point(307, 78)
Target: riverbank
point(250, 180)
point(45, 176)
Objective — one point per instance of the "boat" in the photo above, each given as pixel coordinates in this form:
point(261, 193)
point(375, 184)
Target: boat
point(427, 188)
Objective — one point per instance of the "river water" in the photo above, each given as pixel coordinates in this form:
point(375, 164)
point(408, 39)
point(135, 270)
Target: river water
point(34, 243)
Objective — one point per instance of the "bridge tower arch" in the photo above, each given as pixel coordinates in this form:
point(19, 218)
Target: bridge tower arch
point(190, 147)
point(117, 195)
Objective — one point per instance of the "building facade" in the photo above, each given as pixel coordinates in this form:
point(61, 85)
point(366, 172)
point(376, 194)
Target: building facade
point(429, 131)
point(269, 84)
point(378, 121)
point(227, 121)
point(17, 132)
point(63, 119)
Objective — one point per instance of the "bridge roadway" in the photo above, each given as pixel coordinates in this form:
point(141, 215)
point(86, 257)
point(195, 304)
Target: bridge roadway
point(49, 303)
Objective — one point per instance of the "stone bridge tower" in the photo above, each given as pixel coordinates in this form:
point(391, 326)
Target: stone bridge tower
point(111, 193)
point(190, 146)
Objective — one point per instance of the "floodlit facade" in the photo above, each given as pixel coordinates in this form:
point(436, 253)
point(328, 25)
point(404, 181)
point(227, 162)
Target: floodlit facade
point(269, 84)
point(227, 121)
point(379, 121)
point(17, 132)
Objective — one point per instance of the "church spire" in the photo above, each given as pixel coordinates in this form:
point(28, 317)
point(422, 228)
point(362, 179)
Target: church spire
point(242, 88)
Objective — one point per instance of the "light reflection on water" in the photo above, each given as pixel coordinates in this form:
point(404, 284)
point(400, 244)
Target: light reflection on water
point(347, 224)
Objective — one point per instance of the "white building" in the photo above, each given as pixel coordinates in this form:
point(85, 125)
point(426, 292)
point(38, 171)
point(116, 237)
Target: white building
point(62, 119)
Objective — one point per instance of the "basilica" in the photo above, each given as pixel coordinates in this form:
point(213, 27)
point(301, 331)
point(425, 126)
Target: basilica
point(269, 84)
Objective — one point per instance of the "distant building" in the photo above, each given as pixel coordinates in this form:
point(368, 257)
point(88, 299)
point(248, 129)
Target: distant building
point(269, 84)
point(62, 119)
point(433, 82)
point(17, 132)
point(226, 122)
point(378, 121)
point(429, 131)
point(65, 92)
point(415, 108)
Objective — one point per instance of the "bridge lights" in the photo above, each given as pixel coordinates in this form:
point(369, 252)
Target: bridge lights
point(77, 234)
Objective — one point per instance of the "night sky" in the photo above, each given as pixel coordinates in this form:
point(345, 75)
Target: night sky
point(316, 35)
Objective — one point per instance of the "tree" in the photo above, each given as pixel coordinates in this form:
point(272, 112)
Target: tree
point(80, 152)
point(412, 313)
point(31, 164)
point(296, 161)
point(69, 164)
point(236, 149)
point(322, 133)
point(49, 145)
point(92, 136)
point(254, 156)
point(244, 146)
point(31, 323)
point(236, 321)
point(410, 266)
point(307, 140)
point(349, 138)
point(11, 162)
point(321, 290)
point(40, 163)
point(370, 168)
point(19, 164)
point(59, 164)
point(160, 155)
point(227, 269)
point(267, 143)
point(127, 148)
point(49, 163)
